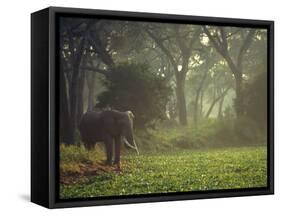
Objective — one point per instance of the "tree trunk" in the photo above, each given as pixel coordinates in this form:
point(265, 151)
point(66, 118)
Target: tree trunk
point(196, 103)
point(80, 104)
point(73, 91)
point(198, 91)
point(201, 104)
point(91, 88)
point(65, 133)
point(220, 107)
point(181, 104)
point(239, 101)
point(74, 85)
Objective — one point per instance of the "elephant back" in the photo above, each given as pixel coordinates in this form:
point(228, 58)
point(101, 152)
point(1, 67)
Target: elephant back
point(90, 126)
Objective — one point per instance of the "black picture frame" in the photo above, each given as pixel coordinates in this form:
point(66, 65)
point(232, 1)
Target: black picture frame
point(45, 100)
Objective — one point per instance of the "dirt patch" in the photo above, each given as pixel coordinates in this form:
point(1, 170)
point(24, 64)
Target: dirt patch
point(87, 169)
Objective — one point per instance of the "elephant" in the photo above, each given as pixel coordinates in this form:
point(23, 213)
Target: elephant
point(110, 127)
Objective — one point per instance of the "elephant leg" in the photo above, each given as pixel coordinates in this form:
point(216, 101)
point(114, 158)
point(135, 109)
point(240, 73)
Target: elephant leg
point(117, 151)
point(108, 148)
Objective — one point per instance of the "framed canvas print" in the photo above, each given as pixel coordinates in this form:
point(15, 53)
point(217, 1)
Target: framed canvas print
point(139, 107)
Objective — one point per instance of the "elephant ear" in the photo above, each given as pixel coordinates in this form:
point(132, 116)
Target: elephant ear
point(130, 114)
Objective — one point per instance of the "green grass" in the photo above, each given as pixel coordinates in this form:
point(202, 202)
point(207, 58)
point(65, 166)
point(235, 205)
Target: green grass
point(184, 170)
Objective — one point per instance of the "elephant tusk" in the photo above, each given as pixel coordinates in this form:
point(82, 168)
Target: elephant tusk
point(136, 147)
point(133, 147)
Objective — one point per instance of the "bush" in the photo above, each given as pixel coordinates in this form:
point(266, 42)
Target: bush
point(211, 133)
point(134, 87)
point(72, 155)
point(255, 94)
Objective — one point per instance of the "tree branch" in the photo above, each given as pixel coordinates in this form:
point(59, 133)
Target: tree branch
point(194, 38)
point(94, 69)
point(212, 39)
point(100, 50)
point(222, 49)
point(164, 49)
point(216, 100)
point(245, 46)
point(224, 40)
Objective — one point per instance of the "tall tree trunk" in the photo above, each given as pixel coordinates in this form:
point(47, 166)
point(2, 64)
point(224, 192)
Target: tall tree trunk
point(74, 84)
point(80, 104)
point(198, 91)
point(196, 103)
point(220, 107)
point(91, 90)
point(65, 132)
point(73, 92)
point(239, 101)
point(181, 103)
point(201, 104)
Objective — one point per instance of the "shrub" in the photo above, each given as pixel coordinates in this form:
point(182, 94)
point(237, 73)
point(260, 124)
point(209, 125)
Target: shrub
point(211, 133)
point(134, 87)
point(72, 155)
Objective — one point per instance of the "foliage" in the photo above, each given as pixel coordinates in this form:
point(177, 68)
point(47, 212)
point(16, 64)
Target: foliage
point(134, 87)
point(210, 133)
point(179, 171)
point(71, 156)
point(256, 101)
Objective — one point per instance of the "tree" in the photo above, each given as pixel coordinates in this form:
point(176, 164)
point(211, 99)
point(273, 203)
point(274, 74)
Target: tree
point(72, 40)
point(199, 77)
point(221, 40)
point(216, 99)
point(182, 39)
point(134, 87)
point(255, 95)
point(79, 39)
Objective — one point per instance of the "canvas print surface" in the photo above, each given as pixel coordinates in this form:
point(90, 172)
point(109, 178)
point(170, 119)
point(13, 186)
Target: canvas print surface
point(157, 108)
